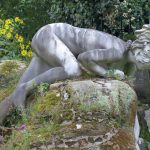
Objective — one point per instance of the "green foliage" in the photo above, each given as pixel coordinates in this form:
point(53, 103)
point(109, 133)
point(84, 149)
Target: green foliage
point(110, 15)
point(12, 43)
point(10, 73)
point(42, 88)
point(144, 133)
point(8, 68)
point(40, 121)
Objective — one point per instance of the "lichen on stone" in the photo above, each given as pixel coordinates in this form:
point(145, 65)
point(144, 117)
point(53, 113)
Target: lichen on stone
point(9, 67)
point(10, 72)
point(85, 119)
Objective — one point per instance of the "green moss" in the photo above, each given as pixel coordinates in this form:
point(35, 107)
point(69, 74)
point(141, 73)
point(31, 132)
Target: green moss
point(22, 140)
point(44, 112)
point(6, 91)
point(9, 76)
point(47, 102)
point(45, 116)
point(41, 122)
point(15, 142)
point(43, 132)
point(144, 131)
point(95, 106)
point(86, 75)
point(8, 68)
point(92, 100)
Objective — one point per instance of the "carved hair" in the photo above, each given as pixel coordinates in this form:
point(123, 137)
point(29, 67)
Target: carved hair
point(137, 47)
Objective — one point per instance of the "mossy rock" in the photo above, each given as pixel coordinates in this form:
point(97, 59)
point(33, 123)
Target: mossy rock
point(9, 67)
point(10, 72)
point(78, 114)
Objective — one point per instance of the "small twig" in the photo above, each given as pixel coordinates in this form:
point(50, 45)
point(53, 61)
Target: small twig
point(22, 127)
point(6, 128)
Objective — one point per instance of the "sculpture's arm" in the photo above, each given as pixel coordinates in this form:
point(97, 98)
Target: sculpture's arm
point(95, 60)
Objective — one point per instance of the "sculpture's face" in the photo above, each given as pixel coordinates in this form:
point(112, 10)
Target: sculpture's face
point(141, 50)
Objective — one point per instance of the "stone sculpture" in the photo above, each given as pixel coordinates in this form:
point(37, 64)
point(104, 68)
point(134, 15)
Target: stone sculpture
point(61, 50)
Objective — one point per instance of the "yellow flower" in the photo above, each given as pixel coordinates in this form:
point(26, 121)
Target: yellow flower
point(17, 19)
point(16, 36)
point(8, 35)
point(23, 52)
point(2, 31)
point(29, 42)
point(22, 46)
point(21, 21)
point(20, 39)
point(6, 26)
point(11, 29)
point(8, 21)
point(27, 46)
point(29, 53)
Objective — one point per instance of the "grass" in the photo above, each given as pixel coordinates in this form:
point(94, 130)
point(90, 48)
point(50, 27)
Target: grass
point(9, 76)
point(43, 116)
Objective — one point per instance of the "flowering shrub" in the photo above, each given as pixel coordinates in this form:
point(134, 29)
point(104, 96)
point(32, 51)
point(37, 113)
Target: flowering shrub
point(12, 43)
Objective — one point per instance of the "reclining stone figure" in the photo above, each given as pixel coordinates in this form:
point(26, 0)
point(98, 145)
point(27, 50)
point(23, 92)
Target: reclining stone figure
point(61, 50)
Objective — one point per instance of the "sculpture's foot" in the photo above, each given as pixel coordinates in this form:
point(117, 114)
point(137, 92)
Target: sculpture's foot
point(15, 100)
point(19, 96)
point(6, 106)
point(118, 74)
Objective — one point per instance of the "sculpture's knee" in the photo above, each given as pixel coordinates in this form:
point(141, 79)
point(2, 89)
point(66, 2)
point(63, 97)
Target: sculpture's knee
point(82, 57)
point(72, 69)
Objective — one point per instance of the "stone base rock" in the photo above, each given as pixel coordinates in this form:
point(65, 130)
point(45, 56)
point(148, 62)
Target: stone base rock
point(96, 115)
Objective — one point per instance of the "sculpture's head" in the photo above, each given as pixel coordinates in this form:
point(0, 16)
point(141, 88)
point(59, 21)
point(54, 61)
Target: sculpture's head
point(141, 48)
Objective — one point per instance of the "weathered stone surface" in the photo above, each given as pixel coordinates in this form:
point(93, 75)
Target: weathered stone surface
point(10, 72)
point(147, 118)
point(101, 116)
point(20, 64)
point(93, 114)
point(144, 145)
point(9, 69)
point(142, 85)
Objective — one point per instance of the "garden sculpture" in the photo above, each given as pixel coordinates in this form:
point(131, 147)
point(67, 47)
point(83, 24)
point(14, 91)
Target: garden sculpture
point(62, 51)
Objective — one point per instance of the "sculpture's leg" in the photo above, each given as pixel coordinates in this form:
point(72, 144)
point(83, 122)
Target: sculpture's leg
point(93, 60)
point(49, 76)
point(36, 67)
point(65, 63)
point(66, 66)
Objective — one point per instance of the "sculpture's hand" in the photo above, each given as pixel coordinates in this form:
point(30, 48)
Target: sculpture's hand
point(117, 74)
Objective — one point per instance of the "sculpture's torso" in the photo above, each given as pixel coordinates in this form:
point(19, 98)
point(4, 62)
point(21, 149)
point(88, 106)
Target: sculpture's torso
point(79, 40)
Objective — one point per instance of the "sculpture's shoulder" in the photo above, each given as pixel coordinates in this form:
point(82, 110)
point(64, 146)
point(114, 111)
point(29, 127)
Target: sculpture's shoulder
point(59, 24)
point(54, 27)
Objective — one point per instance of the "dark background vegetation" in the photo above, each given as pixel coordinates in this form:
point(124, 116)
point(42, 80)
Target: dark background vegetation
point(118, 17)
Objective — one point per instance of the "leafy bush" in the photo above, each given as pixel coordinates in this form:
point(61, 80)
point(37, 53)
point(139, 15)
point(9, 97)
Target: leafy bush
point(118, 17)
point(12, 43)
